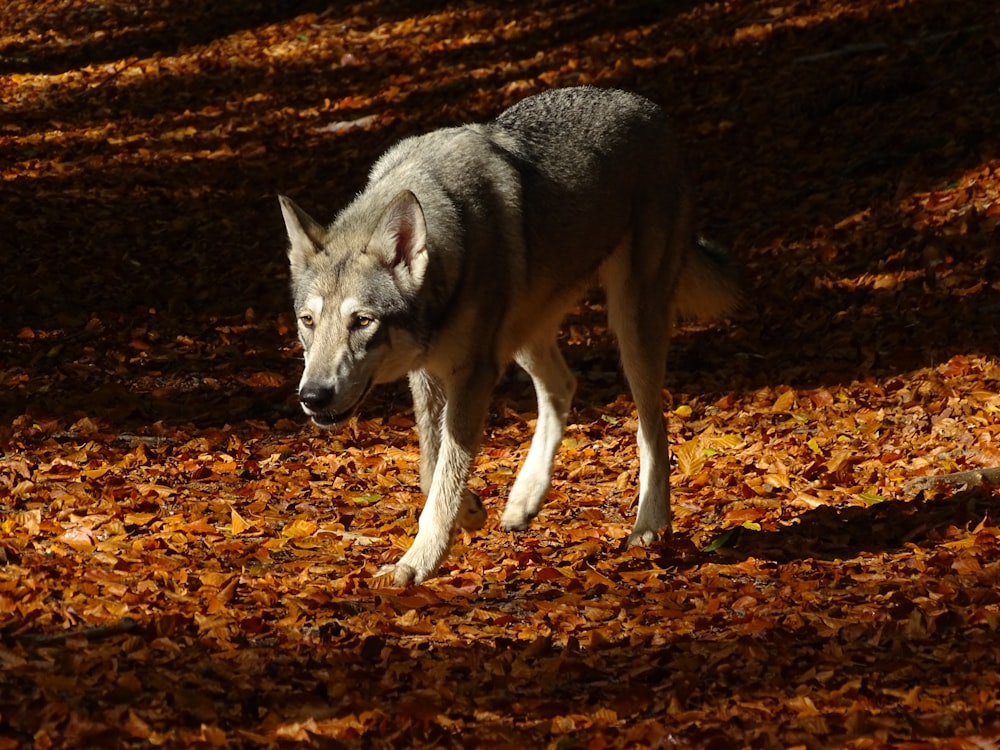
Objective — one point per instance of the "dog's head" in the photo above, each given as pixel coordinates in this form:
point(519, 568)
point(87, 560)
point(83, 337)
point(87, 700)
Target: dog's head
point(354, 286)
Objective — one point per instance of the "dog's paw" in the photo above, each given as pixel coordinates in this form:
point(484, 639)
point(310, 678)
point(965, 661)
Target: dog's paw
point(646, 537)
point(402, 575)
point(526, 498)
point(472, 515)
point(515, 519)
point(421, 561)
point(641, 538)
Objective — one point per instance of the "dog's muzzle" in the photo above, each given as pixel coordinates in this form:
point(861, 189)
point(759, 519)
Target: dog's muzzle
point(317, 402)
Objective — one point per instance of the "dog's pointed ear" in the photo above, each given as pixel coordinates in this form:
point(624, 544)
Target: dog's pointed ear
point(305, 234)
point(402, 236)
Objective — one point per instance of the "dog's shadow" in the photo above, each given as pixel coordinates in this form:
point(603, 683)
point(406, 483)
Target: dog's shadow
point(842, 533)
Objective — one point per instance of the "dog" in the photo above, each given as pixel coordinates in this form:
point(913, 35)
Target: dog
point(464, 252)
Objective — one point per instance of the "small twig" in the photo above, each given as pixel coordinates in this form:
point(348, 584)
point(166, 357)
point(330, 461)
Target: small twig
point(129, 440)
point(865, 48)
point(92, 633)
point(965, 479)
point(845, 51)
point(112, 75)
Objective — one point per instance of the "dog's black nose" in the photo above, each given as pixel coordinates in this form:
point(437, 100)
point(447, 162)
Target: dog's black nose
point(316, 397)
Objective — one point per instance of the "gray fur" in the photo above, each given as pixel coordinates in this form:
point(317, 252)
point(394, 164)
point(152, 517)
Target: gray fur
point(463, 254)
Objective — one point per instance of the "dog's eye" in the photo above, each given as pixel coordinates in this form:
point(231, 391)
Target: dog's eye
point(360, 321)
point(307, 320)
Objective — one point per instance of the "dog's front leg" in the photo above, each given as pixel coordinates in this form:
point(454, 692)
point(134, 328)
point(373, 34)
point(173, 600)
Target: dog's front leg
point(462, 418)
point(428, 408)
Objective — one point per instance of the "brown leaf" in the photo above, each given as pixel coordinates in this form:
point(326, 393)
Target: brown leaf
point(78, 537)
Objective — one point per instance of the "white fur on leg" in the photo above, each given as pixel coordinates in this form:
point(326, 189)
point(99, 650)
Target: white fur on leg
point(554, 386)
point(428, 407)
point(430, 547)
point(438, 518)
point(428, 551)
point(535, 477)
point(526, 497)
point(653, 514)
point(462, 423)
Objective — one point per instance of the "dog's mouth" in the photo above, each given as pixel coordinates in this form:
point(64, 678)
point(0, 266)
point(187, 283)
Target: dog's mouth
point(324, 419)
point(332, 419)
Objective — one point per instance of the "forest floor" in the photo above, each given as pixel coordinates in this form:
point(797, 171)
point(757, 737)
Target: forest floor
point(186, 561)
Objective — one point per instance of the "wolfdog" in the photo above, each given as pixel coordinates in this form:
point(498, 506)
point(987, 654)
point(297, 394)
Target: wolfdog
point(465, 250)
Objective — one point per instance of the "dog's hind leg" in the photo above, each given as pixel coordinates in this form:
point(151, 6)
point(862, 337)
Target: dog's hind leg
point(554, 388)
point(639, 314)
point(645, 376)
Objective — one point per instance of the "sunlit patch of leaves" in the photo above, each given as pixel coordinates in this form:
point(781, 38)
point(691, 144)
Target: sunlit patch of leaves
point(184, 561)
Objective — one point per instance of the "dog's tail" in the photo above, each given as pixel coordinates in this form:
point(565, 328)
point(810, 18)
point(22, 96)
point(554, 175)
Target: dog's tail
point(709, 284)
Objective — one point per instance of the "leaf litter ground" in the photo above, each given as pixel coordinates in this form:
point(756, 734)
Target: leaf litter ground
point(185, 562)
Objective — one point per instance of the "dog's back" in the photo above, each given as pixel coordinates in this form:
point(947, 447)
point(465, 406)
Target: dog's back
point(468, 245)
point(579, 153)
point(588, 158)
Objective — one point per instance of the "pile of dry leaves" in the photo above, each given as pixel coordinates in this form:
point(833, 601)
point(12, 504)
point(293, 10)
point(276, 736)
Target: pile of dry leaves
point(184, 561)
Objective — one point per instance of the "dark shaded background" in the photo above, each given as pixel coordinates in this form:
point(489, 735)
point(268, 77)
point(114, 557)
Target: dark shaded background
point(787, 134)
point(144, 280)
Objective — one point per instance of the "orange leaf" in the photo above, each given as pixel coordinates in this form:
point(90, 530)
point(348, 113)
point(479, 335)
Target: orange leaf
point(79, 538)
point(238, 524)
point(690, 458)
point(299, 528)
